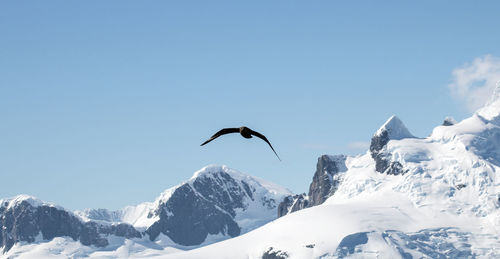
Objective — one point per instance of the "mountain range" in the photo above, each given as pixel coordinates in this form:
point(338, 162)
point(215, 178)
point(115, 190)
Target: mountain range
point(406, 197)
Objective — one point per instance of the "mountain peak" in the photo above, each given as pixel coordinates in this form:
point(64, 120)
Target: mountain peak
point(395, 129)
point(14, 201)
point(214, 169)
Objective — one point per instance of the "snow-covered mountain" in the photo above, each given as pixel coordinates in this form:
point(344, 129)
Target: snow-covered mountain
point(215, 204)
point(407, 197)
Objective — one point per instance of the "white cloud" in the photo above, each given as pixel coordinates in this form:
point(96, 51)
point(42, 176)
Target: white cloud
point(317, 146)
point(359, 145)
point(474, 83)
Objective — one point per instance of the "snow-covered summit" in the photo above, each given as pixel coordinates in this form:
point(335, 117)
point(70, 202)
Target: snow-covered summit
point(214, 170)
point(16, 200)
point(395, 129)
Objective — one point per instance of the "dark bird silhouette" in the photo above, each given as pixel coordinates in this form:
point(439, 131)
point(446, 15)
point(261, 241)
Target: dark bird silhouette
point(245, 132)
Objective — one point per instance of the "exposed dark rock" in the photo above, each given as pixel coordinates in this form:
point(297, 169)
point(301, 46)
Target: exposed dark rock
point(221, 189)
point(54, 222)
point(207, 206)
point(393, 128)
point(274, 254)
point(292, 203)
point(379, 141)
point(376, 150)
point(325, 183)
point(382, 163)
point(187, 218)
point(24, 222)
point(449, 121)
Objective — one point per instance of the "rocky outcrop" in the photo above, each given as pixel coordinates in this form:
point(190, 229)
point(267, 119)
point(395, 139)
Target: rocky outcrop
point(292, 203)
point(449, 121)
point(22, 220)
point(326, 179)
point(393, 129)
point(272, 253)
point(325, 182)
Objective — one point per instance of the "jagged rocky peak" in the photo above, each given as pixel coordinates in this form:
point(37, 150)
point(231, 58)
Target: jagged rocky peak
point(325, 183)
point(449, 121)
point(393, 129)
point(211, 170)
point(209, 204)
point(14, 201)
point(326, 178)
point(293, 203)
point(222, 183)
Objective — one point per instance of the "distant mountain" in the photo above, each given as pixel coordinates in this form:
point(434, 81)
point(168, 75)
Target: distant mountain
point(215, 204)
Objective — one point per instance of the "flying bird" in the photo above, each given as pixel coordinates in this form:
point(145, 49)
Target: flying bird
point(245, 132)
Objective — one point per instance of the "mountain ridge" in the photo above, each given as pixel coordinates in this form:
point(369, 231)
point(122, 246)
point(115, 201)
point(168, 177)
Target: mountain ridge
point(406, 197)
point(218, 191)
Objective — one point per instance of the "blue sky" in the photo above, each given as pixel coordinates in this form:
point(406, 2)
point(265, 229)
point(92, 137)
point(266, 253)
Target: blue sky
point(105, 103)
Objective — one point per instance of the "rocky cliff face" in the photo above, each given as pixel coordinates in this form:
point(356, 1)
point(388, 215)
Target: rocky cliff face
point(203, 208)
point(293, 203)
point(209, 204)
point(326, 178)
point(26, 219)
point(325, 182)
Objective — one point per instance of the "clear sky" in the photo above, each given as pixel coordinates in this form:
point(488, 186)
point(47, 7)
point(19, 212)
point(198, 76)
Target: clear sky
point(106, 103)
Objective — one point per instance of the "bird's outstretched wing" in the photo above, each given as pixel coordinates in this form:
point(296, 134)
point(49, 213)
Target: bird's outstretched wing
point(257, 134)
point(220, 133)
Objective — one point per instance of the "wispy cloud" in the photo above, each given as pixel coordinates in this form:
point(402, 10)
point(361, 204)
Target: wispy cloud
point(359, 145)
point(317, 146)
point(474, 83)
